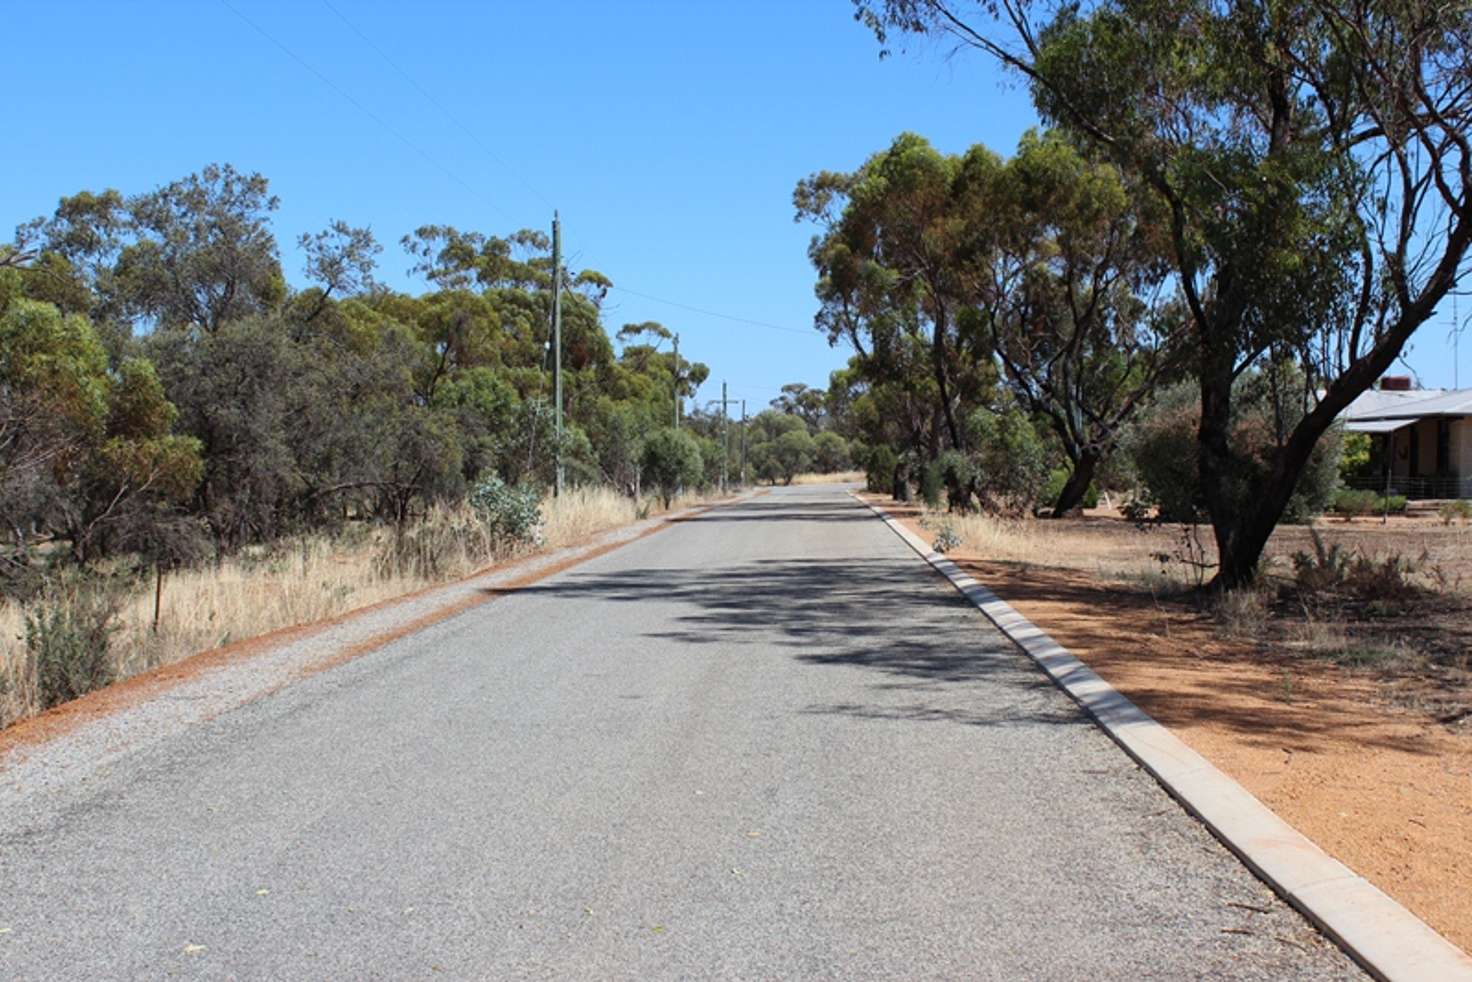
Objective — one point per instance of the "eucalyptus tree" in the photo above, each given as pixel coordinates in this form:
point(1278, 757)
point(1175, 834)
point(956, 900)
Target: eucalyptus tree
point(807, 403)
point(194, 254)
point(1314, 162)
point(1075, 297)
point(890, 262)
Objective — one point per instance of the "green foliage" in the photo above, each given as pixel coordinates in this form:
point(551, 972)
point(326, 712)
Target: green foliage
point(1164, 448)
point(1355, 465)
point(947, 538)
point(959, 474)
point(879, 468)
point(830, 452)
point(67, 635)
point(792, 453)
point(1011, 460)
point(1270, 134)
point(1349, 503)
point(511, 513)
point(931, 483)
point(672, 462)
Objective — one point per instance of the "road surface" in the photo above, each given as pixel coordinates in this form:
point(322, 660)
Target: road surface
point(767, 742)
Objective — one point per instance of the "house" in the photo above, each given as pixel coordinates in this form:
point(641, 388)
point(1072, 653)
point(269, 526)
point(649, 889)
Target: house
point(1424, 435)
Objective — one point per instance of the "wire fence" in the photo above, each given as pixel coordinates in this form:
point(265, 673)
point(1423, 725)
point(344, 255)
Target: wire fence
point(1419, 486)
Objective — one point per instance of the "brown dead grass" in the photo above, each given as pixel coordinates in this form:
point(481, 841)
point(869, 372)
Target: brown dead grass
point(1352, 756)
point(297, 582)
point(838, 477)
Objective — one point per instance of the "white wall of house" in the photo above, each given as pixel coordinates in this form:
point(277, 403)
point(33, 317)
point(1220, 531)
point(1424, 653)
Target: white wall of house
point(1462, 446)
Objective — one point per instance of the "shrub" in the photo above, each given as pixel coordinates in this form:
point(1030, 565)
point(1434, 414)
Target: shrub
point(1163, 446)
point(946, 539)
point(930, 483)
point(1384, 585)
point(67, 638)
point(1454, 511)
point(1011, 460)
point(879, 468)
point(671, 462)
point(1349, 503)
point(511, 513)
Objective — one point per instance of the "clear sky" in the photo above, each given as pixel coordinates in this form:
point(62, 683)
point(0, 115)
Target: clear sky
point(669, 133)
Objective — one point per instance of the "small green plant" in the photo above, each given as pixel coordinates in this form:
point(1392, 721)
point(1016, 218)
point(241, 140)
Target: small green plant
point(512, 513)
point(947, 538)
point(1455, 511)
point(67, 637)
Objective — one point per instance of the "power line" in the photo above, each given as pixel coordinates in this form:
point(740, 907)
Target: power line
point(348, 97)
point(429, 97)
point(364, 109)
point(712, 313)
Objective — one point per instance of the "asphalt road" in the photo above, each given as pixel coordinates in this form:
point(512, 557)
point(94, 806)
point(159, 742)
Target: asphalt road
point(765, 743)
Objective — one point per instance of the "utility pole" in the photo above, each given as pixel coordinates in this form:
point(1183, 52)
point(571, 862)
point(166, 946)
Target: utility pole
point(726, 434)
point(743, 443)
point(677, 381)
point(557, 343)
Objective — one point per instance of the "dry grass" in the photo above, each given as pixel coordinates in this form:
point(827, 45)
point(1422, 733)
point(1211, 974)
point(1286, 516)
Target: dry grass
point(1109, 550)
point(299, 582)
point(838, 477)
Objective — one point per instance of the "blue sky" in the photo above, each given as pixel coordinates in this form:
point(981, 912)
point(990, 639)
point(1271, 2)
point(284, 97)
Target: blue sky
point(669, 135)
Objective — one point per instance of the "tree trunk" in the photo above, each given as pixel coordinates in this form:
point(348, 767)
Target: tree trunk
point(938, 357)
point(901, 486)
point(1077, 484)
point(158, 593)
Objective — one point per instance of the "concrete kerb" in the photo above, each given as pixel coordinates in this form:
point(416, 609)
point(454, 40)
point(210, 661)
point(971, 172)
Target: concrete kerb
point(1386, 940)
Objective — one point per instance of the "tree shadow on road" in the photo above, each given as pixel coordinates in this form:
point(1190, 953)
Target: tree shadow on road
point(783, 510)
point(937, 658)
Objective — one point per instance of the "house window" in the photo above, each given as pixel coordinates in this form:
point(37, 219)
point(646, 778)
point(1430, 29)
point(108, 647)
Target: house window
point(1443, 446)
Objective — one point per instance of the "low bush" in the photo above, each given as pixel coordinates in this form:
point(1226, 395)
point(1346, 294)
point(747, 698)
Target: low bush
point(512, 513)
point(68, 640)
point(1455, 511)
point(1349, 502)
point(1384, 585)
point(946, 539)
